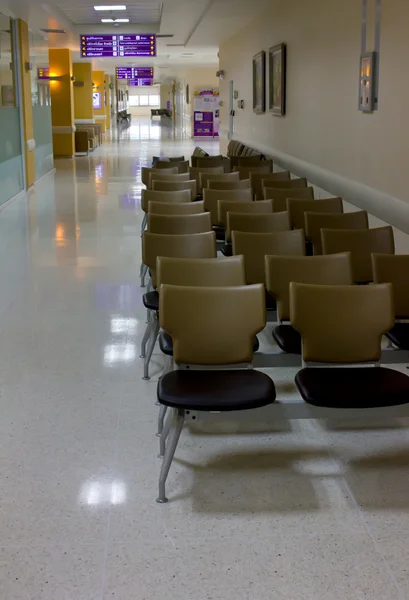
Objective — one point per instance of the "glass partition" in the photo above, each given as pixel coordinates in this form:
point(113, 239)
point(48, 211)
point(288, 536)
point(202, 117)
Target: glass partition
point(41, 100)
point(11, 160)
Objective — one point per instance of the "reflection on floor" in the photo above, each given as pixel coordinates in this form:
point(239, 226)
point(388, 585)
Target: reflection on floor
point(303, 510)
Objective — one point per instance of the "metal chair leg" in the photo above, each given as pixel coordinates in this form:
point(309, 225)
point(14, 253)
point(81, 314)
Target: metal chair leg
point(162, 414)
point(144, 221)
point(169, 454)
point(152, 341)
point(146, 336)
point(165, 433)
point(144, 270)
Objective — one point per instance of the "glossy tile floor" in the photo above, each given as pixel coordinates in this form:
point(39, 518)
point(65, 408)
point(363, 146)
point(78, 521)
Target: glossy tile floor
point(301, 510)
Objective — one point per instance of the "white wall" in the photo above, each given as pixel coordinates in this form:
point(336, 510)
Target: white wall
point(195, 78)
point(323, 126)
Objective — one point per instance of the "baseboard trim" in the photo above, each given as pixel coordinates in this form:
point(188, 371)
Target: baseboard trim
point(388, 208)
point(13, 199)
point(41, 179)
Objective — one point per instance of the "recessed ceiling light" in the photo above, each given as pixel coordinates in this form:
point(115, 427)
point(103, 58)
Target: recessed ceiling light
point(114, 20)
point(112, 7)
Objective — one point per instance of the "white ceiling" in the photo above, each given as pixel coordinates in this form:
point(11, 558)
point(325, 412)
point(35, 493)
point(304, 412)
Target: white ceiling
point(198, 27)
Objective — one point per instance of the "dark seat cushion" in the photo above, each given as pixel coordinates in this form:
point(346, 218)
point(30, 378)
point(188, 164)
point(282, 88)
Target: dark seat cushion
point(220, 233)
point(151, 300)
point(166, 344)
point(399, 335)
point(227, 250)
point(271, 303)
point(216, 390)
point(366, 387)
point(287, 338)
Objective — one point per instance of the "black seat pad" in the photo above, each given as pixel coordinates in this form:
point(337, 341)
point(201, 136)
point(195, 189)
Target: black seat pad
point(151, 300)
point(271, 303)
point(287, 338)
point(166, 344)
point(220, 233)
point(216, 390)
point(227, 250)
point(399, 335)
point(366, 387)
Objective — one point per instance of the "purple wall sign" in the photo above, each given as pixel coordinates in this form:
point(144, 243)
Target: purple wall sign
point(203, 124)
point(117, 46)
point(43, 73)
point(134, 73)
point(139, 82)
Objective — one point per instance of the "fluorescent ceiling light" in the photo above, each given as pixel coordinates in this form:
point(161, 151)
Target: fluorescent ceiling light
point(114, 20)
point(113, 7)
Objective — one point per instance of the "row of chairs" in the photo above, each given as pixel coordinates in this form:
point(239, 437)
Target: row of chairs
point(209, 319)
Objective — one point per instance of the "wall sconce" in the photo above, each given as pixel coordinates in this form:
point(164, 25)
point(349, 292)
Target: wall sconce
point(79, 84)
point(73, 78)
point(220, 74)
point(55, 78)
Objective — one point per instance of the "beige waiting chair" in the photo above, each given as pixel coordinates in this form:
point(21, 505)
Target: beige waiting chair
point(146, 171)
point(315, 221)
point(159, 175)
point(212, 197)
point(258, 179)
point(176, 208)
point(196, 171)
point(198, 245)
point(343, 325)
point(240, 184)
point(173, 186)
point(183, 165)
point(154, 196)
point(297, 207)
point(206, 177)
point(280, 196)
point(392, 269)
point(215, 330)
point(265, 167)
point(207, 162)
point(256, 223)
point(203, 272)
point(179, 224)
point(255, 246)
point(253, 208)
point(212, 160)
point(334, 269)
point(361, 243)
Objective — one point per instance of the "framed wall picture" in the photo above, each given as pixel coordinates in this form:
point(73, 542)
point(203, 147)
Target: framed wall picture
point(366, 82)
point(277, 79)
point(259, 83)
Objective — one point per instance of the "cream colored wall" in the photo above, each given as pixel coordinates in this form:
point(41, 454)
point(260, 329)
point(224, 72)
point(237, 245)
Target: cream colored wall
point(323, 125)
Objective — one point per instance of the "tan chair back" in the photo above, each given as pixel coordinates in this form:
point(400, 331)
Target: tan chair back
point(265, 166)
point(280, 196)
point(196, 171)
point(206, 177)
point(334, 269)
point(256, 223)
point(198, 245)
point(234, 184)
point(341, 324)
point(182, 165)
point(257, 180)
point(159, 175)
point(212, 325)
point(174, 186)
point(179, 224)
point(211, 198)
point(392, 269)
point(207, 162)
point(297, 207)
point(285, 185)
point(203, 272)
point(255, 246)
point(168, 197)
point(315, 221)
point(361, 243)
point(213, 160)
point(253, 208)
point(176, 208)
point(146, 171)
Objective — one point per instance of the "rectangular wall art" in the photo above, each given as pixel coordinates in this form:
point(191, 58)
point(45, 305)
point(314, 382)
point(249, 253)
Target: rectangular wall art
point(259, 83)
point(277, 78)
